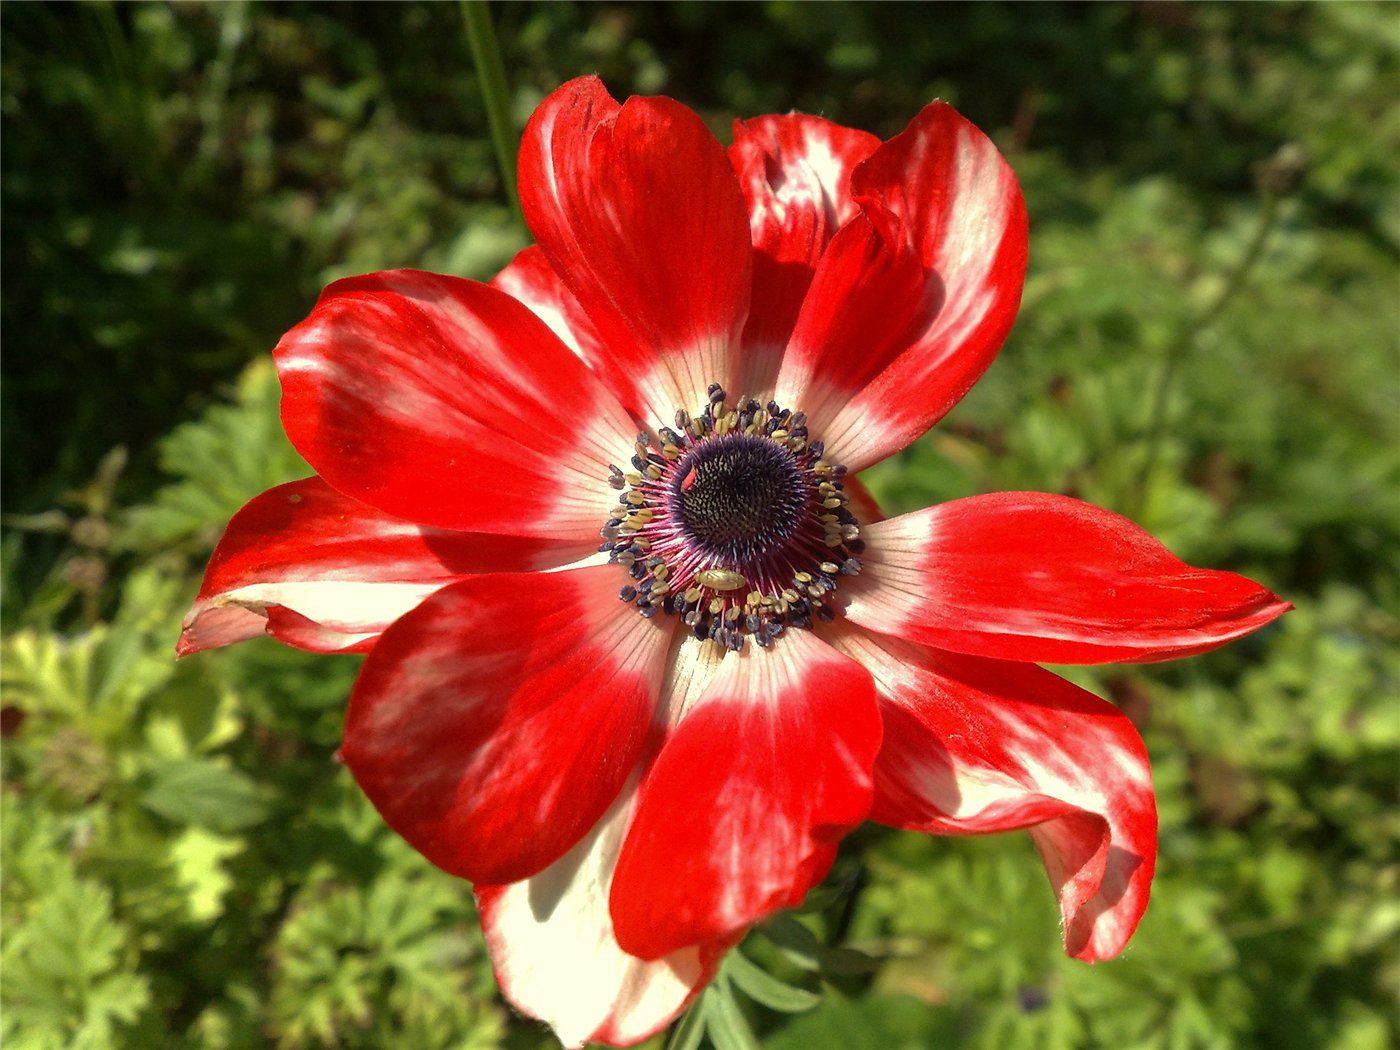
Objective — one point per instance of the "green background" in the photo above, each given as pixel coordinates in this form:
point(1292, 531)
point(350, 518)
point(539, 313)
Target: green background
point(1208, 343)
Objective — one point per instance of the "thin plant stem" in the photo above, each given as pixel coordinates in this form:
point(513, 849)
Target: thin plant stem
point(1181, 346)
point(495, 92)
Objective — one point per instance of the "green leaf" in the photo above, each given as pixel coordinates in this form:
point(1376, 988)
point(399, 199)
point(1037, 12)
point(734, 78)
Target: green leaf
point(98, 681)
point(204, 793)
point(877, 1022)
point(387, 963)
point(727, 1026)
point(65, 982)
point(199, 861)
point(222, 460)
point(802, 946)
point(764, 988)
point(690, 1029)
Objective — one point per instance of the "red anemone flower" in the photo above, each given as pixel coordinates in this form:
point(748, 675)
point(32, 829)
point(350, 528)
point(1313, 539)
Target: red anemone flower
point(636, 750)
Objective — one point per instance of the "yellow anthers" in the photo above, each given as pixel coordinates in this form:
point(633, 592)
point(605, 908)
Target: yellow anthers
point(721, 579)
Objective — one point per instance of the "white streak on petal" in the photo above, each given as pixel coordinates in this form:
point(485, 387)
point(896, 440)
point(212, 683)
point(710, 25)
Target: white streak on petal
point(551, 940)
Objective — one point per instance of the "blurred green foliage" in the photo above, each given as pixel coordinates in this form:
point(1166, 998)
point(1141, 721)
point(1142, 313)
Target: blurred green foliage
point(1208, 342)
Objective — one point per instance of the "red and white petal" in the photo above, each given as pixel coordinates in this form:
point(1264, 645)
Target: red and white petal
point(551, 936)
point(639, 212)
point(795, 171)
point(941, 190)
point(741, 813)
point(447, 402)
point(556, 958)
point(1045, 579)
point(973, 746)
point(324, 572)
point(496, 723)
point(530, 279)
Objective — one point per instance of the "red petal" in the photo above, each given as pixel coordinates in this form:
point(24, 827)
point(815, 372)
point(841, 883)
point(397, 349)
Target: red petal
point(1047, 579)
point(530, 279)
point(867, 302)
point(556, 958)
point(795, 172)
point(321, 571)
point(974, 746)
point(741, 812)
point(447, 402)
point(874, 372)
point(639, 212)
point(494, 724)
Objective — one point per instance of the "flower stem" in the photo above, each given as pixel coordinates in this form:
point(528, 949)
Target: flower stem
point(1185, 339)
point(495, 92)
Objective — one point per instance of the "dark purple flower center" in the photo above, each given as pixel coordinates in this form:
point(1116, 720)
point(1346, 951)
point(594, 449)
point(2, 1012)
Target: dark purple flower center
point(734, 522)
point(739, 496)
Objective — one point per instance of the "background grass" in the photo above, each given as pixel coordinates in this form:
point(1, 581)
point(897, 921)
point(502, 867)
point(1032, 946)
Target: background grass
point(1208, 343)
